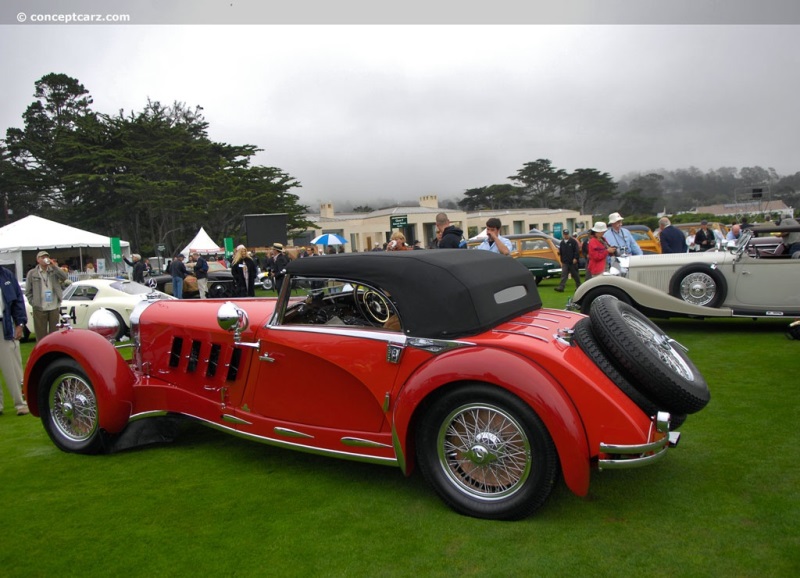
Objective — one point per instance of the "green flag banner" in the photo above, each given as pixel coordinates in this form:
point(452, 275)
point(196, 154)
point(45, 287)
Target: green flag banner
point(116, 250)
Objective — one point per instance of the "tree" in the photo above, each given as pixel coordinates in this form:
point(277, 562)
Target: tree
point(644, 195)
point(541, 182)
point(151, 177)
point(589, 188)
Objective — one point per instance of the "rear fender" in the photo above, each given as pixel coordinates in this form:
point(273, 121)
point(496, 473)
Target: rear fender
point(110, 375)
point(512, 372)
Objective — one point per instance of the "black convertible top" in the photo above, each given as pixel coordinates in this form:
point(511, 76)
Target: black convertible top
point(442, 293)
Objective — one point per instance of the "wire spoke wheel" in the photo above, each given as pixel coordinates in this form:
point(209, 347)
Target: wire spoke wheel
point(484, 451)
point(73, 408)
point(659, 344)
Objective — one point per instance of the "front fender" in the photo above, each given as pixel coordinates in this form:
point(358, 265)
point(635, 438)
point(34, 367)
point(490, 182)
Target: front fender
point(649, 297)
point(110, 375)
point(514, 373)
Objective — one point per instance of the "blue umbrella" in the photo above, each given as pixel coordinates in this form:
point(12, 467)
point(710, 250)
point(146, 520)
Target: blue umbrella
point(328, 239)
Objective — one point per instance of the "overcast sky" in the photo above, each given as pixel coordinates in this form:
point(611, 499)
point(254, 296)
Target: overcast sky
point(381, 112)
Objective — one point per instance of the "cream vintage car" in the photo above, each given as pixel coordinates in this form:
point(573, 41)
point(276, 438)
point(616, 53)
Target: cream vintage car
point(726, 283)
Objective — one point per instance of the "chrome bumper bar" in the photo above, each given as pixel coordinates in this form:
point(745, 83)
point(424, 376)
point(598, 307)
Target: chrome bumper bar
point(634, 456)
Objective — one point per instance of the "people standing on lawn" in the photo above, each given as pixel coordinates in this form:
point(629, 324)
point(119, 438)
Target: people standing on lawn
point(621, 238)
point(734, 233)
point(569, 251)
point(494, 242)
point(672, 239)
point(177, 270)
point(598, 251)
point(139, 267)
point(43, 289)
point(398, 242)
point(279, 265)
point(448, 236)
point(201, 272)
point(705, 239)
point(14, 320)
point(243, 270)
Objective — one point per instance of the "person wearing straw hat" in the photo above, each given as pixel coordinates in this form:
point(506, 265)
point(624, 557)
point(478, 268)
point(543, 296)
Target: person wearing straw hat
point(620, 238)
point(598, 251)
point(279, 265)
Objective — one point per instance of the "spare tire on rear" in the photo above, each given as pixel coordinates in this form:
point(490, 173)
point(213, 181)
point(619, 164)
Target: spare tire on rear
point(586, 340)
point(661, 368)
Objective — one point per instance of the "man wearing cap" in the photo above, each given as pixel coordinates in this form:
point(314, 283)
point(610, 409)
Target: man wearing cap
point(279, 266)
point(619, 237)
point(704, 239)
point(44, 292)
point(494, 242)
point(14, 320)
point(569, 251)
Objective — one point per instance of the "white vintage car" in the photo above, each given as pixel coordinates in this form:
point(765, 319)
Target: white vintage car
point(82, 298)
point(730, 283)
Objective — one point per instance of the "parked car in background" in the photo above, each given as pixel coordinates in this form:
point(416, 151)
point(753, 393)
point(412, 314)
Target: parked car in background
point(536, 250)
point(119, 296)
point(220, 282)
point(728, 283)
point(489, 394)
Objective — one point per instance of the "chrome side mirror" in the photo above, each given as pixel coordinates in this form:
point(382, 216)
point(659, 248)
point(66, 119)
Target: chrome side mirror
point(233, 318)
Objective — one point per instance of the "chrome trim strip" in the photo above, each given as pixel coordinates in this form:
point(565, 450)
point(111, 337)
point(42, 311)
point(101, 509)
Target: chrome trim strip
point(146, 414)
point(436, 345)
point(295, 446)
point(539, 337)
point(376, 335)
point(290, 433)
point(233, 419)
point(362, 443)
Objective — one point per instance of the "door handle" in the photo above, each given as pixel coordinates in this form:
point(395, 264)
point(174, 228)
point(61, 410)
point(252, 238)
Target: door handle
point(266, 357)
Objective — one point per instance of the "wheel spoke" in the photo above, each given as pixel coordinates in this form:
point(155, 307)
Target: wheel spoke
point(659, 345)
point(73, 408)
point(485, 451)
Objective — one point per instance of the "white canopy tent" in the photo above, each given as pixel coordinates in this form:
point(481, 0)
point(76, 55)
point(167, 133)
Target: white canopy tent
point(21, 240)
point(203, 244)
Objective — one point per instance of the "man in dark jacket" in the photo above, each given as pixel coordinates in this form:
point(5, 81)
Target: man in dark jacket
point(704, 239)
point(177, 270)
point(671, 237)
point(569, 251)
point(448, 236)
point(139, 267)
point(14, 320)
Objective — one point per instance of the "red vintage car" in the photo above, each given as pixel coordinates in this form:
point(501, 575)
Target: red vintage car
point(444, 360)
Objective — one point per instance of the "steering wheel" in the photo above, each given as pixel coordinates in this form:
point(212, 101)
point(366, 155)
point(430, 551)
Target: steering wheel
point(371, 305)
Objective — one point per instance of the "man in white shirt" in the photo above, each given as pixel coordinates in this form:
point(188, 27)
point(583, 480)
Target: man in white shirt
point(619, 237)
point(494, 242)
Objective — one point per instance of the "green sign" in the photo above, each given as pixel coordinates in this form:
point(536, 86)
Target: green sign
point(228, 247)
point(398, 221)
point(116, 250)
point(161, 248)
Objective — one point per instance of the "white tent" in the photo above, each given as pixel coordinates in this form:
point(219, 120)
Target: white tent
point(203, 244)
point(21, 240)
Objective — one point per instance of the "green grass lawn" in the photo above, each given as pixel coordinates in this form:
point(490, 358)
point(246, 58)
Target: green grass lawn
point(726, 502)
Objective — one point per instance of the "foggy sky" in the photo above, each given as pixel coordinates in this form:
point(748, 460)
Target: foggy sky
point(365, 113)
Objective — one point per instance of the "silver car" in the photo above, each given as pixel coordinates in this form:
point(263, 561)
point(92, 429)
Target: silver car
point(730, 283)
